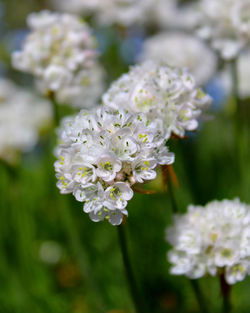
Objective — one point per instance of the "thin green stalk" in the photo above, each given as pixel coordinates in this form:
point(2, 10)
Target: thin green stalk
point(51, 96)
point(199, 296)
point(138, 303)
point(171, 192)
point(167, 183)
point(225, 291)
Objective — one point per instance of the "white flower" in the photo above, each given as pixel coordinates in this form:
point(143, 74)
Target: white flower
point(22, 117)
point(226, 24)
point(169, 14)
point(85, 90)
point(243, 68)
point(60, 52)
point(210, 238)
point(124, 12)
point(166, 94)
point(108, 12)
point(102, 154)
point(181, 50)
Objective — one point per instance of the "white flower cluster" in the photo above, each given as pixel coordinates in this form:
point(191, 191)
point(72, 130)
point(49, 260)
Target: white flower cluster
point(227, 24)
point(181, 50)
point(211, 239)
point(108, 12)
point(60, 52)
point(102, 154)
point(22, 117)
point(169, 14)
point(243, 68)
point(161, 92)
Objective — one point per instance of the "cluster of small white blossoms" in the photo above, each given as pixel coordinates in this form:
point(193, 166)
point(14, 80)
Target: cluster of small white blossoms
point(161, 92)
point(108, 12)
point(60, 52)
point(22, 117)
point(227, 24)
point(103, 153)
point(211, 240)
point(182, 50)
point(243, 64)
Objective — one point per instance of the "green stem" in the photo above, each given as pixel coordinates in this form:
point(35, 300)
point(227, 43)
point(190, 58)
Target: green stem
point(199, 295)
point(170, 189)
point(139, 306)
point(51, 96)
point(225, 291)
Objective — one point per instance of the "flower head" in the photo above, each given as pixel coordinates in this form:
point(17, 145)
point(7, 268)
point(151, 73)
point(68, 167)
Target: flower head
point(210, 238)
point(60, 52)
point(227, 24)
point(102, 154)
point(181, 50)
point(22, 117)
point(108, 12)
point(161, 92)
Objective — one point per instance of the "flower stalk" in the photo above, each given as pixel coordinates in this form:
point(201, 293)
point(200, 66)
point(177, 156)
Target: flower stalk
point(225, 291)
point(199, 295)
point(135, 294)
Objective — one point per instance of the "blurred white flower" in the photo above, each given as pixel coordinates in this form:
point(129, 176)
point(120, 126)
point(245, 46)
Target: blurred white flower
point(210, 238)
point(86, 88)
point(161, 92)
point(102, 154)
point(227, 24)
point(22, 117)
point(243, 63)
point(124, 12)
point(50, 252)
point(60, 52)
point(108, 12)
point(170, 14)
point(181, 50)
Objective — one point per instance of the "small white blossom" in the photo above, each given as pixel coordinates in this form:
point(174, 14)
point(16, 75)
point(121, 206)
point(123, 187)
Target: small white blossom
point(164, 93)
point(22, 117)
point(181, 50)
point(102, 154)
point(60, 52)
point(227, 24)
point(212, 238)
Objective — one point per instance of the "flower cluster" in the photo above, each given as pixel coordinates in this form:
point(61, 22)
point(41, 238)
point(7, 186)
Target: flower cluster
point(161, 92)
point(59, 51)
point(227, 24)
point(108, 12)
point(211, 239)
point(169, 14)
point(103, 153)
point(22, 117)
point(182, 50)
